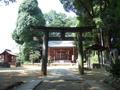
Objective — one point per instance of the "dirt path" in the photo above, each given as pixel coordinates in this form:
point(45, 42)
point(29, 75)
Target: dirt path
point(69, 79)
point(95, 79)
point(9, 76)
point(59, 78)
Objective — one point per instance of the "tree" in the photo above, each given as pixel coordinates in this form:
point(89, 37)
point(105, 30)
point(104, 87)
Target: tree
point(111, 28)
point(103, 14)
point(111, 25)
point(34, 55)
point(88, 12)
point(55, 19)
point(29, 15)
point(91, 8)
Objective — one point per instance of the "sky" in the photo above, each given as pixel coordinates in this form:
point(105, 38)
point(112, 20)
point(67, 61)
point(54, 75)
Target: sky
point(8, 17)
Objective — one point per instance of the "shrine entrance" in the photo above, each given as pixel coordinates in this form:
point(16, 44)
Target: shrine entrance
point(62, 54)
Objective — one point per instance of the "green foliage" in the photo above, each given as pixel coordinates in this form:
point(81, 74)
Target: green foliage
point(25, 51)
point(55, 19)
point(29, 15)
point(94, 58)
point(88, 13)
point(86, 10)
point(26, 62)
point(16, 37)
point(20, 56)
point(27, 47)
point(111, 19)
point(34, 55)
point(111, 26)
point(104, 14)
point(115, 68)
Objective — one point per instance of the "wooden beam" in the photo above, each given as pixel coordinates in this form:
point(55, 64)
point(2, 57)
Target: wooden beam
point(63, 29)
point(59, 38)
point(67, 38)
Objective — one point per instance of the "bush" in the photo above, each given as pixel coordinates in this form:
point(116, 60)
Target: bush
point(115, 68)
point(114, 82)
point(18, 64)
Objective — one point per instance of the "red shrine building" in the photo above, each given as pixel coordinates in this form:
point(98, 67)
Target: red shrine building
point(62, 51)
point(7, 56)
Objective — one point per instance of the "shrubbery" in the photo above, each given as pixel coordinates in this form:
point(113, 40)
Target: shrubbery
point(114, 77)
point(115, 68)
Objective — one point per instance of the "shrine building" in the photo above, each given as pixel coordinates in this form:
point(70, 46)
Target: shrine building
point(62, 51)
point(7, 57)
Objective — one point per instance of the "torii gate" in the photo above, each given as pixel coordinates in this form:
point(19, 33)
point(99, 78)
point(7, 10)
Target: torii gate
point(62, 31)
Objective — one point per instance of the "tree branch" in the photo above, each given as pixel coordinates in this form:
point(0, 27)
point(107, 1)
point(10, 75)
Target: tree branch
point(88, 11)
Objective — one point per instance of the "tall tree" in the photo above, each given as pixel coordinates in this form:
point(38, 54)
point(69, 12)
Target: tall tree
point(29, 15)
point(102, 13)
point(88, 12)
point(111, 23)
point(111, 26)
point(85, 9)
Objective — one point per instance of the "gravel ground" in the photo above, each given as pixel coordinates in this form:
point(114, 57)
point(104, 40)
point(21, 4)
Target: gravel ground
point(69, 79)
point(9, 76)
point(60, 85)
point(59, 78)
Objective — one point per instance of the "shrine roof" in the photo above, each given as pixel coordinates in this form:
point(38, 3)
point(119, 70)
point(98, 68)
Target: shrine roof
point(8, 51)
point(61, 44)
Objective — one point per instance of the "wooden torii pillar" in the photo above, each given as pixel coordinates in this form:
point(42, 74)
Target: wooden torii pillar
point(62, 30)
point(80, 54)
point(44, 54)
